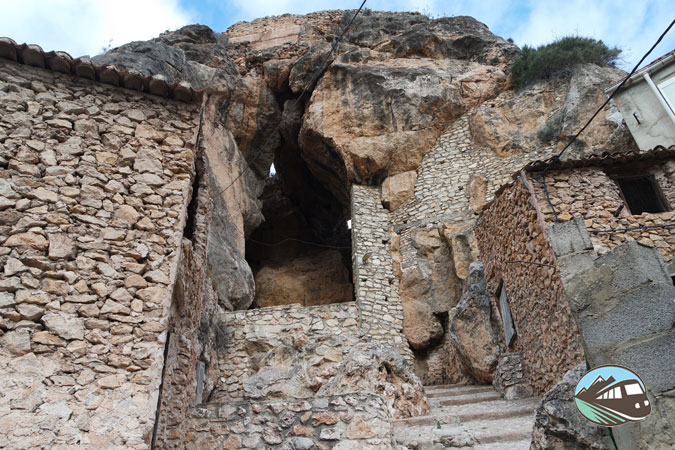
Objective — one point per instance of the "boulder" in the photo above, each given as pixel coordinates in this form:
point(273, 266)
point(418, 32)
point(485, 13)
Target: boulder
point(559, 425)
point(472, 331)
point(397, 188)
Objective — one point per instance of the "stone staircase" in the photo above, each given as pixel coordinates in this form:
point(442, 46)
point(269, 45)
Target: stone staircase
point(468, 417)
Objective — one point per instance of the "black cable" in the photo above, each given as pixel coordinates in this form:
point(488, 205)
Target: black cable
point(317, 74)
point(297, 240)
point(312, 80)
point(529, 262)
point(557, 157)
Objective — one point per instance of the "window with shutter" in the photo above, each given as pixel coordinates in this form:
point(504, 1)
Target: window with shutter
point(507, 319)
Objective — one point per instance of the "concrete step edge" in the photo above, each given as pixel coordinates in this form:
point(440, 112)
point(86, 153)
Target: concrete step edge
point(466, 401)
point(449, 419)
point(455, 392)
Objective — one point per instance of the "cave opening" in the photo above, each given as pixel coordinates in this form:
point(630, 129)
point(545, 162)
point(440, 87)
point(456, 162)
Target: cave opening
point(301, 253)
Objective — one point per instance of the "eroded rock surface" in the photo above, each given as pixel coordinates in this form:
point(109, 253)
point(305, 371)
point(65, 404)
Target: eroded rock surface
point(317, 279)
point(558, 423)
point(472, 329)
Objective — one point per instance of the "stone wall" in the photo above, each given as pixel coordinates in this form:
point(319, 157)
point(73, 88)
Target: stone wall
point(185, 344)
point(591, 194)
point(434, 237)
point(623, 303)
point(293, 377)
point(94, 184)
point(247, 336)
point(376, 286)
point(352, 421)
point(514, 250)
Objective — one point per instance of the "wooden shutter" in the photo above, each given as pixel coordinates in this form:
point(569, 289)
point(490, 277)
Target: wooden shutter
point(507, 319)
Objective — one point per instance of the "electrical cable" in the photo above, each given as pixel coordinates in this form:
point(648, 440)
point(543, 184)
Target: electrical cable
point(312, 80)
point(559, 155)
point(316, 75)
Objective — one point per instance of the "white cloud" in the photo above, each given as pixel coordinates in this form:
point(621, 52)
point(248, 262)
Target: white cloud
point(85, 27)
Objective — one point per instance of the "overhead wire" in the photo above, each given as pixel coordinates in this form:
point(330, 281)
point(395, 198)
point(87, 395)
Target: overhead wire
point(316, 75)
point(609, 98)
point(271, 136)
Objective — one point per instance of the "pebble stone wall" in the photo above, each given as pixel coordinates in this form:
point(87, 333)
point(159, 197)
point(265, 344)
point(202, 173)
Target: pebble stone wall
point(442, 191)
point(271, 363)
point(94, 183)
point(246, 334)
point(344, 422)
point(514, 251)
point(379, 305)
point(591, 194)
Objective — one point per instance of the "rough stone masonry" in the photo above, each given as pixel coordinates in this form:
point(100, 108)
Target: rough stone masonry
point(94, 183)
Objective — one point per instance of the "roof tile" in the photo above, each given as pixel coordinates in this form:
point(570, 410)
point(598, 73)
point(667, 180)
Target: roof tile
point(62, 62)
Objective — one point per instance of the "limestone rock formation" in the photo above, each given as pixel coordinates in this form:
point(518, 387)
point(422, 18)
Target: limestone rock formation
point(373, 368)
point(508, 123)
point(316, 279)
point(558, 423)
point(472, 330)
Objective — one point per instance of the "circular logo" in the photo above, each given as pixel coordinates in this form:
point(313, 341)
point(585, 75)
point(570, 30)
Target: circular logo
point(612, 395)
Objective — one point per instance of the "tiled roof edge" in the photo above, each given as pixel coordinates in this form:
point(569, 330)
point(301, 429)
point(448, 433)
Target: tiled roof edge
point(62, 62)
point(656, 153)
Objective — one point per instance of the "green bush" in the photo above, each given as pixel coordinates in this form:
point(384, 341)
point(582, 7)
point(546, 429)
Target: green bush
point(558, 58)
point(551, 129)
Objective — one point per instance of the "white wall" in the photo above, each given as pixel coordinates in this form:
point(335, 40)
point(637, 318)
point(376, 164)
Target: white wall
point(655, 127)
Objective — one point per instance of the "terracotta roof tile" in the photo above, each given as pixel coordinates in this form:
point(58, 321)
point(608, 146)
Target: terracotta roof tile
point(62, 62)
point(604, 159)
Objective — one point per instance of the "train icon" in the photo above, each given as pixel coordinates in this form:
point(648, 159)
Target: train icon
point(611, 396)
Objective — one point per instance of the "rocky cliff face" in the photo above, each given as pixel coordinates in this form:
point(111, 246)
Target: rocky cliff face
point(394, 86)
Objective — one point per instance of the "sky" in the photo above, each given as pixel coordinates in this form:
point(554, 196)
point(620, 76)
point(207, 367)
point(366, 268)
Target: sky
point(86, 27)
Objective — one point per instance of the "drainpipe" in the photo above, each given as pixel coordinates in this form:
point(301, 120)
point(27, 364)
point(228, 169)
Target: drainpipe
point(656, 92)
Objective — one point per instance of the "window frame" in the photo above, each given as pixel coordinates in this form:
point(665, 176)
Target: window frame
point(664, 84)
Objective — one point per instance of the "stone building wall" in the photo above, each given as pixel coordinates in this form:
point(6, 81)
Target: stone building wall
point(185, 340)
point(592, 195)
point(247, 336)
point(352, 421)
point(301, 376)
point(94, 184)
point(455, 179)
point(379, 306)
point(515, 250)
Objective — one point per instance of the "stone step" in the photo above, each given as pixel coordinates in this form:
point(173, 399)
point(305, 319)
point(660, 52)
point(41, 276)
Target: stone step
point(485, 409)
point(468, 433)
point(465, 398)
point(445, 387)
point(457, 391)
point(495, 409)
point(523, 444)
